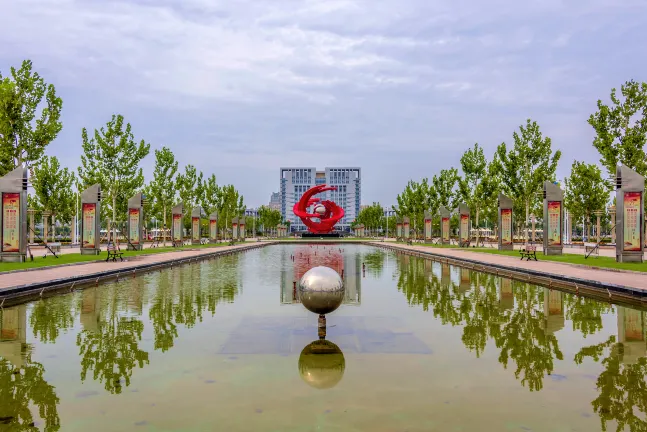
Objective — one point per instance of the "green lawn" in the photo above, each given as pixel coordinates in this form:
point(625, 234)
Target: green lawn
point(39, 261)
point(432, 245)
point(602, 262)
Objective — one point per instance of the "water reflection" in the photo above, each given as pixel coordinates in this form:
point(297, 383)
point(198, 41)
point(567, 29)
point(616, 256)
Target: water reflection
point(523, 319)
point(322, 364)
point(109, 344)
point(298, 260)
point(22, 384)
point(520, 322)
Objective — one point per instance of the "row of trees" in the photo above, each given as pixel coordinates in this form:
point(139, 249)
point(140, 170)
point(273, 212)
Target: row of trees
point(519, 170)
point(30, 114)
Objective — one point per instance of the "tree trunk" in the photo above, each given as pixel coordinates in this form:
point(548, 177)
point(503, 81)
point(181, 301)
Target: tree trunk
point(526, 221)
point(477, 226)
point(114, 218)
point(164, 227)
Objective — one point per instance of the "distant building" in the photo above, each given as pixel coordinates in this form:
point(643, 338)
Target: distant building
point(275, 201)
point(296, 181)
point(251, 212)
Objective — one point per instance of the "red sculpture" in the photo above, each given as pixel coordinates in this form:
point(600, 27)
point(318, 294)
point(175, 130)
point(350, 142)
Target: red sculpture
point(327, 212)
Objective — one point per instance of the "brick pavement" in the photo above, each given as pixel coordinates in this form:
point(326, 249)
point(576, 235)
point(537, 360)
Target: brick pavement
point(624, 279)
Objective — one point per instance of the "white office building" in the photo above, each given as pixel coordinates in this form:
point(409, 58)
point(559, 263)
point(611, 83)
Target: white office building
point(296, 181)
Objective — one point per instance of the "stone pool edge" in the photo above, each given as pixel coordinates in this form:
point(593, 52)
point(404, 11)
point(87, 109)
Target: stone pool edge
point(22, 293)
point(590, 288)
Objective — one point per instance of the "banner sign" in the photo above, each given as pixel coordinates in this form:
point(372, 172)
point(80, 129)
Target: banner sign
point(89, 224)
point(11, 222)
point(554, 223)
point(133, 215)
point(195, 228)
point(428, 228)
point(445, 229)
point(213, 228)
point(506, 226)
point(465, 227)
point(177, 227)
point(631, 221)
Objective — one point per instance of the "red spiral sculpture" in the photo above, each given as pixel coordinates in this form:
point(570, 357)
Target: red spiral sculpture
point(328, 216)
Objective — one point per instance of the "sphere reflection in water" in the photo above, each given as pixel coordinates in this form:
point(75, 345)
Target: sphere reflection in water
point(321, 290)
point(322, 364)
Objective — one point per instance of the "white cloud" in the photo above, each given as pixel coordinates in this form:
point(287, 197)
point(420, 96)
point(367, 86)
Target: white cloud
point(359, 77)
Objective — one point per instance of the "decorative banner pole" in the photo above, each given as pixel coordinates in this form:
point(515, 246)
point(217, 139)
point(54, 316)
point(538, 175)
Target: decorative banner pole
point(612, 213)
point(136, 222)
point(427, 226)
point(234, 229)
point(241, 228)
point(177, 213)
point(91, 220)
point(505, 223)
point(464, 227)
point(13, 218)
point(630, 190)
point(196, 215)
point(213, 227)
point(405, 227)
point(553, 219)
point(444, 225)
point(398, 229)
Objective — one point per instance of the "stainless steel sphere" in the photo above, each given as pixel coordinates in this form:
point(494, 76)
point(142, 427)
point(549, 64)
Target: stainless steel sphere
point(321, 290)
point(322, 364)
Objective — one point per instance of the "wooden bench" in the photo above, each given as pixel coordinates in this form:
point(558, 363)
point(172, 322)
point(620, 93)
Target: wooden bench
point(177, 243)
point(528, 252)
point(114, 253)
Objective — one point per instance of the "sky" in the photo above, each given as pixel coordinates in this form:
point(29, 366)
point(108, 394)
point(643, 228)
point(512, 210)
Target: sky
point(402, 88)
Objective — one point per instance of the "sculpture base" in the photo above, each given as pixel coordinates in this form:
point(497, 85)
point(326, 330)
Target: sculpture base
point(136, 247)
point(313, 235)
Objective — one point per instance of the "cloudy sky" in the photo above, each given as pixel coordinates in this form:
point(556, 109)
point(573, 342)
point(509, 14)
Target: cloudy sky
point(400, 88)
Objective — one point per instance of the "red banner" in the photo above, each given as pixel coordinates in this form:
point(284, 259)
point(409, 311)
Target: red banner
point(11, 222)
point(88, 238)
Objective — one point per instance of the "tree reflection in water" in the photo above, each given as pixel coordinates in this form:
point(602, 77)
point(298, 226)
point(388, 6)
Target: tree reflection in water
point(519, 333)
point(49, 316)
point(22, 384)
point(182, 295)
point(109, 343)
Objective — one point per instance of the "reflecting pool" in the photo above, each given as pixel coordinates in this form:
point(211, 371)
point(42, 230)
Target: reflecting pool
point(416, 346)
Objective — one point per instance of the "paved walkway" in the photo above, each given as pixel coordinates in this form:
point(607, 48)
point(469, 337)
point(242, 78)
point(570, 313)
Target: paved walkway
point(45, 274)
point(624, 279)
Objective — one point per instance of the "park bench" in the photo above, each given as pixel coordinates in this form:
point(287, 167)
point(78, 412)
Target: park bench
point(177, 243)
point(204, 241)
point(591, 249)
point(530, 251)
point(114, 253)
point(465, 243)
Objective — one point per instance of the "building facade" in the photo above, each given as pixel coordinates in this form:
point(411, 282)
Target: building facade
point(275, 201)
point(294, 182)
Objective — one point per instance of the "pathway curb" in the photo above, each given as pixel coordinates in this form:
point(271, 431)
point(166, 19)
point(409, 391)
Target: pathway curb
point(592, 288)
point(21, 293)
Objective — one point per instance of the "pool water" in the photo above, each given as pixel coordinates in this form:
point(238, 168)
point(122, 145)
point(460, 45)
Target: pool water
point(224, 345)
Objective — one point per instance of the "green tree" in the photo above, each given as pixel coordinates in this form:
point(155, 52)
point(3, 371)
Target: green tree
point(23, 135)
point(470, 187)
point(621, 129)
point(526, 166)
point(209, 194)
point(162, 188)
point(189, 186)
point(585, 191)
point(268, 218)
point(230, 205)
point(54, 189)
point(444, 187)
point(414, 200)
point(111, 158)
